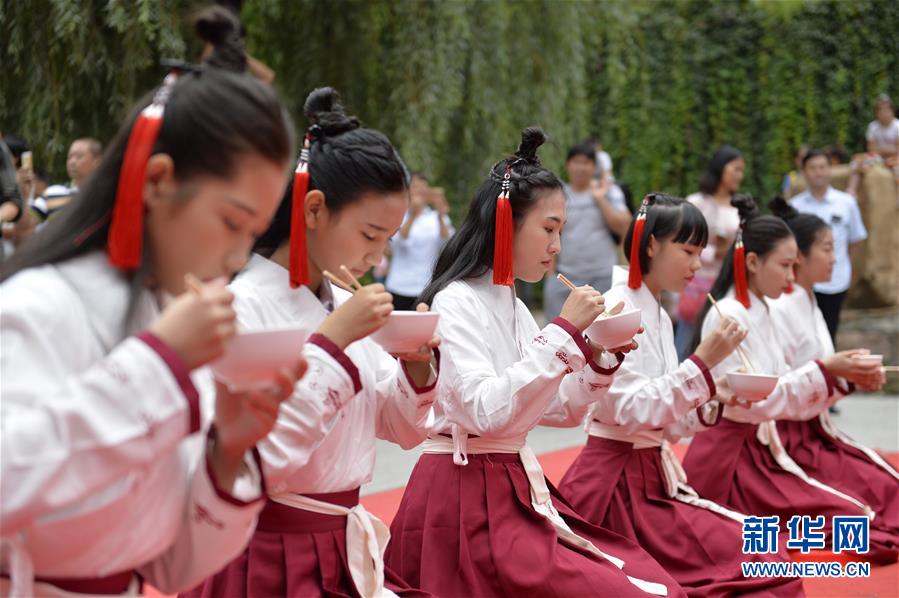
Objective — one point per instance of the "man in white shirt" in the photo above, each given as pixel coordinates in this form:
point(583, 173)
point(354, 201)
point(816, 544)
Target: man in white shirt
point(416, 246)
point(83, 158)
point(840, 211)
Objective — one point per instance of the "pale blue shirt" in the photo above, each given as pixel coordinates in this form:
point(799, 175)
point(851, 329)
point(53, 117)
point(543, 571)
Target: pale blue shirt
point(840, 211)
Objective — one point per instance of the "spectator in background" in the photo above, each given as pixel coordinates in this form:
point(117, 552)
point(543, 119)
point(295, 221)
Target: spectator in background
point(882, 136)
point(32, 183)
point(721, 180)
point(840, 211)
point(84, 156)
point(883, 132)
point(603, 161)
point(595, 212)
point(10, 198)
point(415, 247)
point(792, 178)
point(837, 154)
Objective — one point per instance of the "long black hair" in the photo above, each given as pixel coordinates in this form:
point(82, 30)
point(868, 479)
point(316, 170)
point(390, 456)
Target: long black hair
point(668, 218)
point(805, 227)
point(469, 253)
point(345, 162)
point(714, 170)
point(761, 234)
point(213, 117)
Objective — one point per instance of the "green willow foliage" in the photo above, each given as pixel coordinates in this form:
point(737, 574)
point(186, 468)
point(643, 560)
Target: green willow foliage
point(453, 81)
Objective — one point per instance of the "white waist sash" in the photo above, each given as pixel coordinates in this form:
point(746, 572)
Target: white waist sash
point(366, 541)
point(831, 429)
point(461, 445)
point(15, 559)
point(672, 471)
point(768, 436)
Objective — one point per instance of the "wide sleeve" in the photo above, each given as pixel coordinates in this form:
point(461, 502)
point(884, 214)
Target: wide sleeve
point(304, 419)
point(71, 426)
point(405, 410)
point(800, 392)
point(511, 402)
point(213, 516)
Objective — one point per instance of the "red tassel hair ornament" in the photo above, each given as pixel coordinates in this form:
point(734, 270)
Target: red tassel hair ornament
point(741, 283)
point(502, 243)
point(125, 242)
point(634, 274)
point(299, 261)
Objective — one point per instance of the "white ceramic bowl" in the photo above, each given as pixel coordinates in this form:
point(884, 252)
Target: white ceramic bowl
point(406, 331)
point(866, 360)
point(253, 359)
point(751, 387)
point(614, 331)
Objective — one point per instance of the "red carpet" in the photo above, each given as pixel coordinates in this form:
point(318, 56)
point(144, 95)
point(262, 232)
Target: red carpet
point(883, 582)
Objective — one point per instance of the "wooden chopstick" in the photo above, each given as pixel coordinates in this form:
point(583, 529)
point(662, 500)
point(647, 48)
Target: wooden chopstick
point(193, 284)
point(890, 368)
point(356, 284)
point(612, 312)
point(743, 356)
point(338, 282)
point(565, 281)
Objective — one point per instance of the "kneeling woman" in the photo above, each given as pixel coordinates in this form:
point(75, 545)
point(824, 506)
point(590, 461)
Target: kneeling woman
point(478, 517)
point(627, 478)
point(313, 537)
point(741, 463)
point(815, 443)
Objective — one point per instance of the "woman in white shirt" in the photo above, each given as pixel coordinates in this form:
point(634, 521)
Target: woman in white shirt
point(816, 444)
point(478, 517)
point(741, 463)
point(627, 478)
point(415, 247)
point(112, 470)
point(313, 537)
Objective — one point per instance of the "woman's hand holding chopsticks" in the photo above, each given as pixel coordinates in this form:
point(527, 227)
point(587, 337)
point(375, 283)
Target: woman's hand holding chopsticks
point(583, 305)
point(715, 347)
point(360, 315)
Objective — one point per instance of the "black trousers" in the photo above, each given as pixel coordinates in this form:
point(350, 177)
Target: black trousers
point(403, 303)
point(830, 306)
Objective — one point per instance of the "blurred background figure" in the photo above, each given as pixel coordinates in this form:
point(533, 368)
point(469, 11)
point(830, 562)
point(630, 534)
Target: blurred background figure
point(415, 247)
point(717, 186)
point(83, 159)
point(596, 215)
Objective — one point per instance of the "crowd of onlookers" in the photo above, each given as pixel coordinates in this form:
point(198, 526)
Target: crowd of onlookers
point(599, 210)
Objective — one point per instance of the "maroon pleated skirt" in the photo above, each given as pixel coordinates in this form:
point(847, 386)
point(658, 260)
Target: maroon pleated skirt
point(727, 464)
point(623, 489)
point(295, 553)
point(849, 470)
point(464, 531)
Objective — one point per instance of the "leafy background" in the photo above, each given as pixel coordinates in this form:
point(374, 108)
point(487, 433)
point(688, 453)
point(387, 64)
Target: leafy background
point(452, 82)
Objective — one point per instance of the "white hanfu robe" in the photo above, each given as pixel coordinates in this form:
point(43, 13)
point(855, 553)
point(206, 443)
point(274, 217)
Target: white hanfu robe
point(324, 441)
point(801, 393)
point(806, 338)
point(502, 376)
point(104, 466)
point(628, 479)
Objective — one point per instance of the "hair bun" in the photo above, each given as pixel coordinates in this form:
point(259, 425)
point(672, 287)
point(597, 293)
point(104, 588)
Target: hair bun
point(780, 208)
point(531, 139)
point(220, 27)
point(323, 108)
point(746, 206)
point(215, 24)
